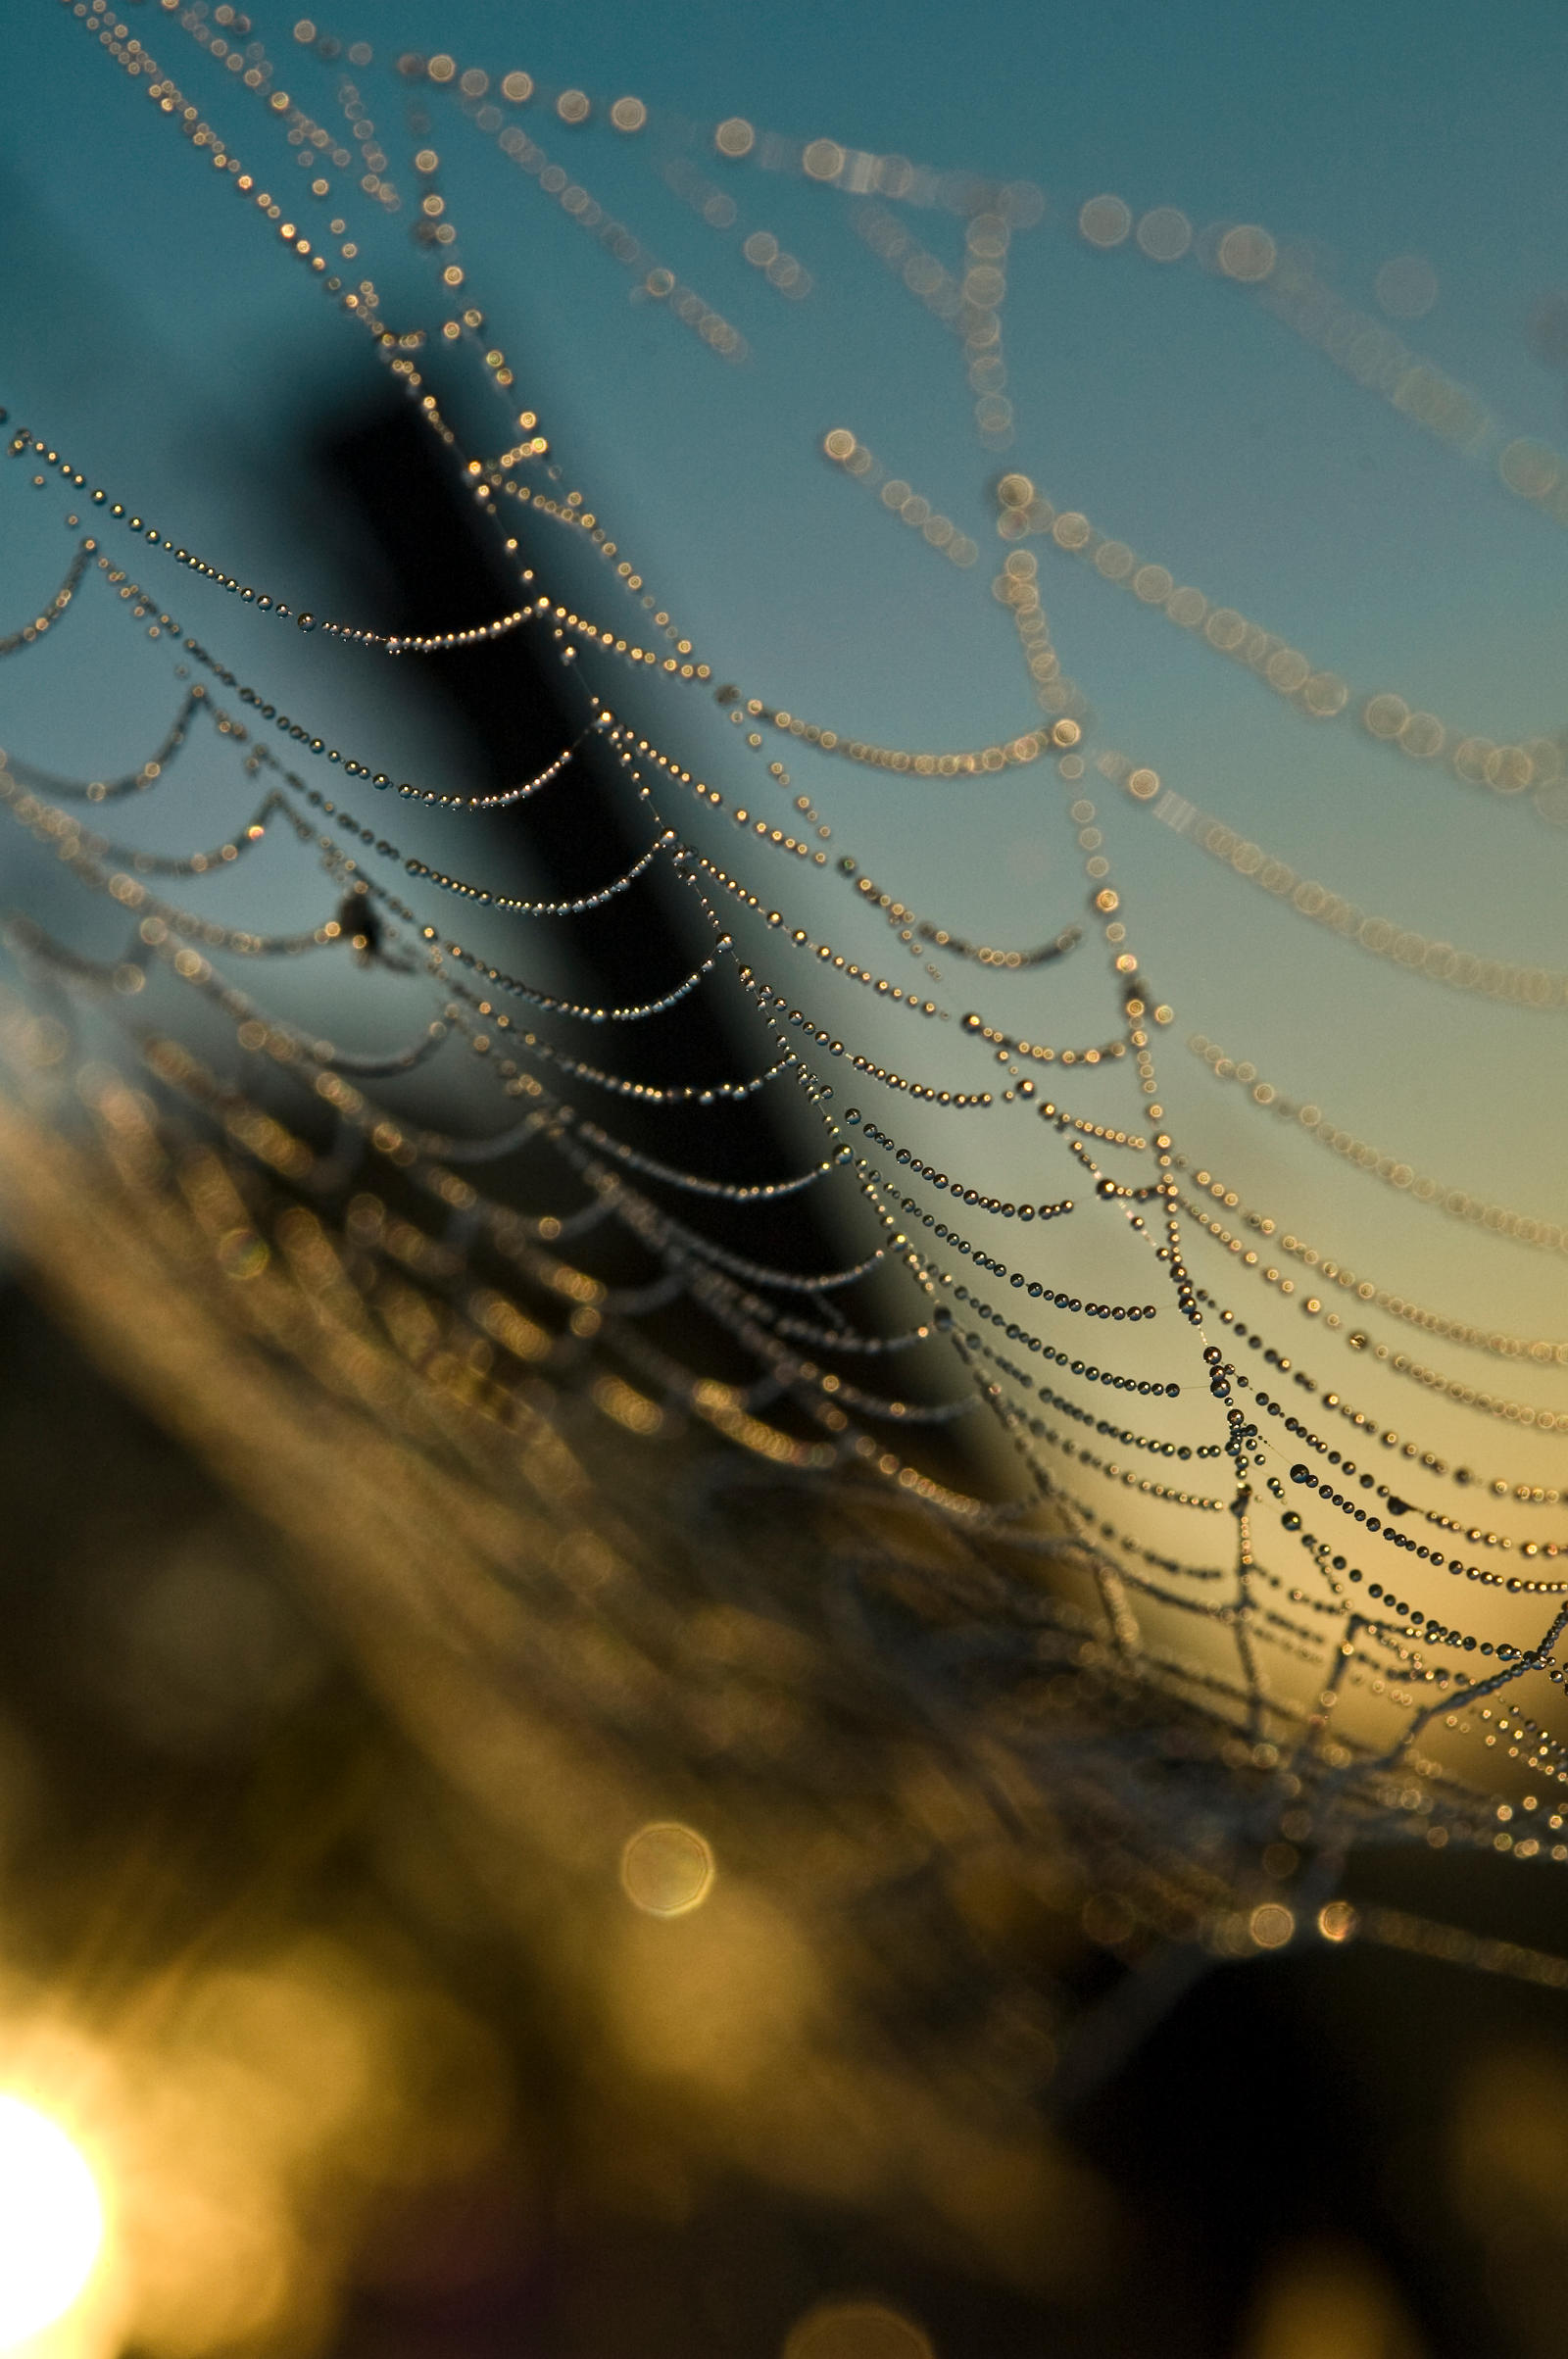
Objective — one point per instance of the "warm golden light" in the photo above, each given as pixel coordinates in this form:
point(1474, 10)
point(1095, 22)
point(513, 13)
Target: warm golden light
point(1272, 1925)
point(860, 2330)
point(50, 2223)
point(667, 1869)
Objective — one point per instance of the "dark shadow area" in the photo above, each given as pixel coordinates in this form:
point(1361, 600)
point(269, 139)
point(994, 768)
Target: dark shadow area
point(433, 563)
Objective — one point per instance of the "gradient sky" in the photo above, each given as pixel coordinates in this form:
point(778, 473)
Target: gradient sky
point(147, 324)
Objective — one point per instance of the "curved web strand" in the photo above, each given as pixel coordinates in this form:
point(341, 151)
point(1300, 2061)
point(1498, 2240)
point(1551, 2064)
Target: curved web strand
point(1317, 1598)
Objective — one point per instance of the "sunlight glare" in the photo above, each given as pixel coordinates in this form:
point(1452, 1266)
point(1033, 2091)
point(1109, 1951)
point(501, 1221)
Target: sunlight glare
point(50, 2223)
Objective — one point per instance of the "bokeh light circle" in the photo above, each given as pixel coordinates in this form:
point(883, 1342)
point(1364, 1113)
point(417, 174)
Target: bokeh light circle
point(1105, 221)
point(1530, 469)
point(667, 1869)
point(859, 2329)
point(1385, 716)
point(1272, 1925)
point(1247, 253)
point(1165, 233)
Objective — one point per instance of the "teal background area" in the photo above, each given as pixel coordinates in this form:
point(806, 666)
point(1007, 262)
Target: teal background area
point(151, 325)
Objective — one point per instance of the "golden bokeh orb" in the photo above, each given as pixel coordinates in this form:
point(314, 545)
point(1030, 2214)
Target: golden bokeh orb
point(1247, 253)
point(856, 2330)
point(1324, 695)
point(1422, 736)
point(1272, 1925)
point(1385, 716)
point(667, 1869)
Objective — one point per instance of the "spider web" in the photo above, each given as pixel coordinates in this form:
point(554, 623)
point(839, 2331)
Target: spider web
point(1196, 1607)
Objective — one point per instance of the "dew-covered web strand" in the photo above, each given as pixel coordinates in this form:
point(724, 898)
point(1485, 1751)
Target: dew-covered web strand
point(1247, 1446)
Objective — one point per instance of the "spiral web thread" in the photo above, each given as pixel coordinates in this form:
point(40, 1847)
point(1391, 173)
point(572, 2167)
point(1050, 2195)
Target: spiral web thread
point(1179, 1657)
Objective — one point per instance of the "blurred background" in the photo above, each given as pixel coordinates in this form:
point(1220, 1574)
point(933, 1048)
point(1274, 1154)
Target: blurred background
point(463, 1904)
